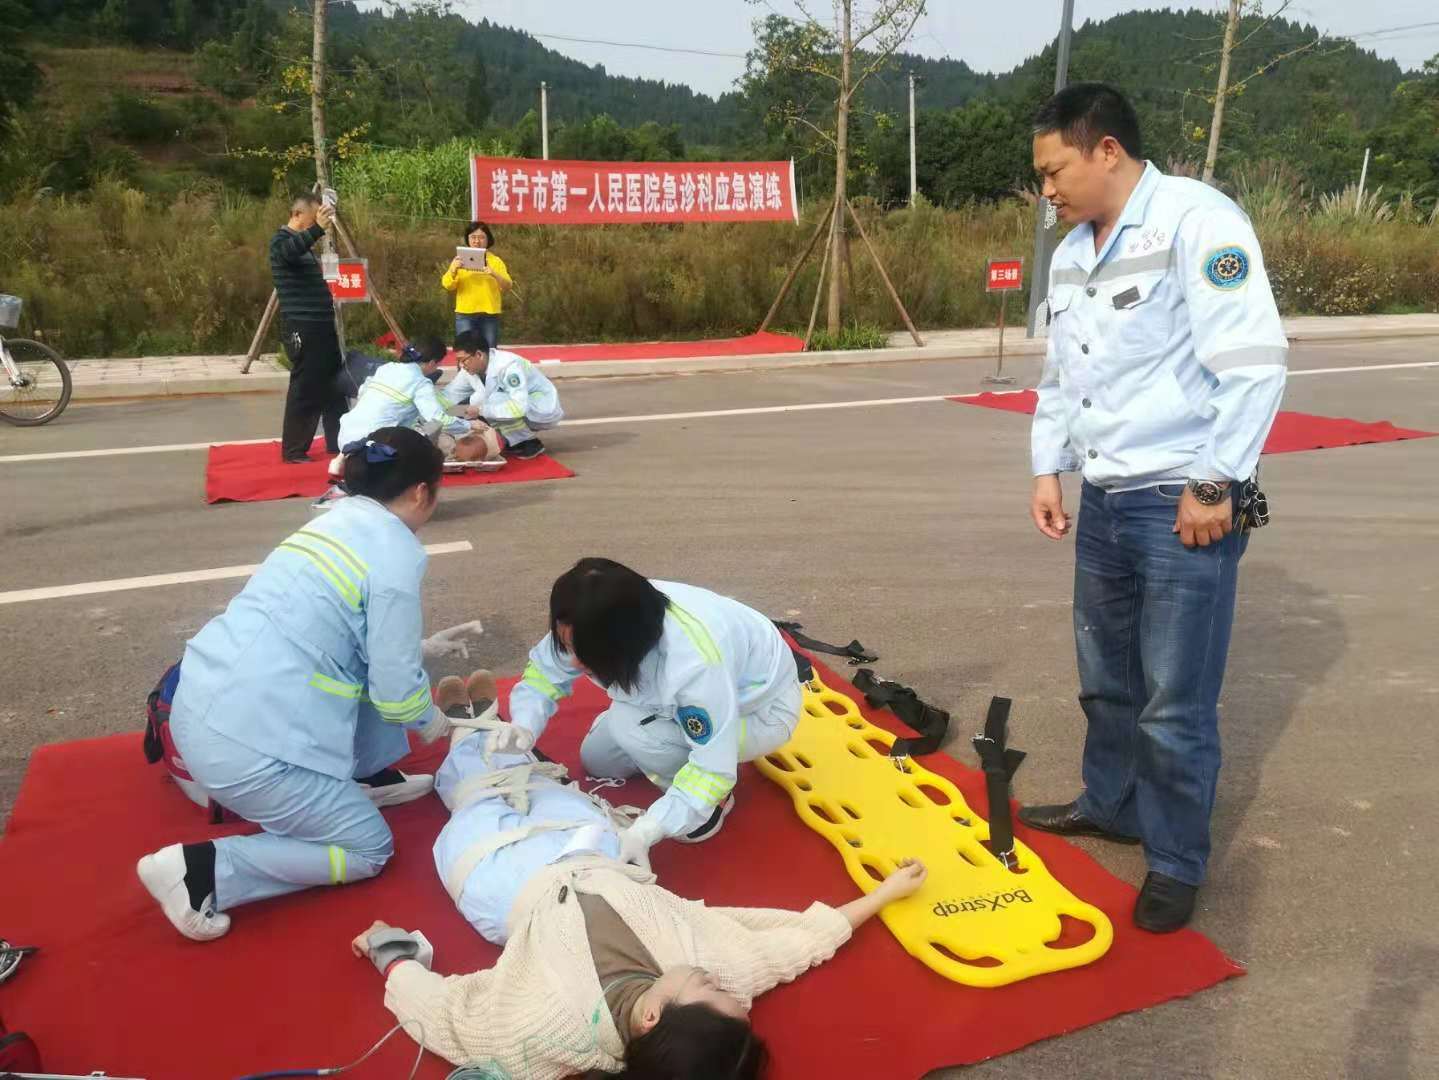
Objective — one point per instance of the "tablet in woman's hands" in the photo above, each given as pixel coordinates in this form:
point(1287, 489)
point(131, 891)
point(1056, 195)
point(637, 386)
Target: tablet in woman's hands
point(472, 258)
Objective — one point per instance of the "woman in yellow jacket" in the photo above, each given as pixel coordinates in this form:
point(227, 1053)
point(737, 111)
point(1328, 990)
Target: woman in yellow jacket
point(479, 293)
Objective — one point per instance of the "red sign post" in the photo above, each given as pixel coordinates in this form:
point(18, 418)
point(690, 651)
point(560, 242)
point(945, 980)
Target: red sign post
point(524, 191)
point(1004, 276)
point(352, 284)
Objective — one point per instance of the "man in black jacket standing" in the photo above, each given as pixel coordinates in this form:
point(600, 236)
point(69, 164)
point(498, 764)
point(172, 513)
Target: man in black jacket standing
point(309, 330)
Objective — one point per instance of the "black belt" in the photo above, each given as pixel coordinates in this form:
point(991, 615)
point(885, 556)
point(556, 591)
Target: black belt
point(931, 723)
point(999, 763)
point(854, 652)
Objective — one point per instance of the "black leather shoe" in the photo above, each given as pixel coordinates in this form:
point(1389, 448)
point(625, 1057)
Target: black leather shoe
point(1066, 820)
point(1164, 905)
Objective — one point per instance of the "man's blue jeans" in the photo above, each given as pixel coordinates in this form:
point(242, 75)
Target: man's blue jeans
point(1151, 630)
point(487, 326)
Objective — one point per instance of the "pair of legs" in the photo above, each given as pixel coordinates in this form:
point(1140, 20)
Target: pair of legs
point(626, 740)
point(314, 395)
point(560, 818)
point(318, 830)
point(517, 431)
point(487, 326)
point(1152, 621)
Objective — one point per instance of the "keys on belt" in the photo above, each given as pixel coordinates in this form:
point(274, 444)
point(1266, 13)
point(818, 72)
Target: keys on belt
point(1253, 505)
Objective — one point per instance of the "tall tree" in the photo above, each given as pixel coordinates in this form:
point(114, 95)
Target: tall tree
point(843, 54)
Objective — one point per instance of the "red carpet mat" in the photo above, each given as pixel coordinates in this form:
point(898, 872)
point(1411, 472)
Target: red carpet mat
point(1291, 431)
point(749, 345)
point(253, 472)
point(115, 988)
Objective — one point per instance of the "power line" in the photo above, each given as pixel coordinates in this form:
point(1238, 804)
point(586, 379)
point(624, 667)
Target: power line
point(636, 45)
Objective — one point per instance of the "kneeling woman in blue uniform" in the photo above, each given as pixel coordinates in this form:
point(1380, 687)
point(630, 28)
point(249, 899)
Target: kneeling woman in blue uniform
point(698, 683)
point(306, 682)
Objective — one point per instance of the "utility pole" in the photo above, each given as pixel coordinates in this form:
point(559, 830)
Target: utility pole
point(317, 95)
point(840, 240)
point(1046, 223)
point(913, 174)
point(1363, 175)
point(544, 121)
point(1222, 91)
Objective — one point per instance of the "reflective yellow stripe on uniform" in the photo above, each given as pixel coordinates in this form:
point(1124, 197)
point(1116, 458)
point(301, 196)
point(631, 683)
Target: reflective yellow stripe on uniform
point(389, 392)
point(337, 577)
point(536, 678)
point(402, 712)
point(343, 550)
point(337, 865)
point(320, 681)
point(709, 788)
point(697, 633)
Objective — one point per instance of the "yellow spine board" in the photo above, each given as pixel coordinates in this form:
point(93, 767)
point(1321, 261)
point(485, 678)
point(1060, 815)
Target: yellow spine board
point(975, 921)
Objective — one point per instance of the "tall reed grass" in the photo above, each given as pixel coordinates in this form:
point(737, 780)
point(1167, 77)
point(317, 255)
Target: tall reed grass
point(117, 274)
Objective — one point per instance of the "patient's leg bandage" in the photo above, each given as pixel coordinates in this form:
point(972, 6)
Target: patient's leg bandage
point(510, 817)
point(975, 921)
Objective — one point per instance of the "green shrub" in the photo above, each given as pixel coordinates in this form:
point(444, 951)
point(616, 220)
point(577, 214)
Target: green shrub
point(124, 272)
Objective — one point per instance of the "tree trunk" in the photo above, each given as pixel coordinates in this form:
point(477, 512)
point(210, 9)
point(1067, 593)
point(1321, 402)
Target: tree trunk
point(841, 169)
point(1222, 91)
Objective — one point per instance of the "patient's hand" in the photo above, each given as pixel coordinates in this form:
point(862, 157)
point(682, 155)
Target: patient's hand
point(360, 946)
point(905, 881)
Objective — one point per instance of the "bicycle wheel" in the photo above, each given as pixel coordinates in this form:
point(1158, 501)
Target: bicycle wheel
point(44, 385)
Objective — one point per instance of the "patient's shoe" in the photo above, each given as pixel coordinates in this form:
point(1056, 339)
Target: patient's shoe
point(712, 826)
point(483, 690)
point(332, 495)
point(390, 787)
point(163, 875)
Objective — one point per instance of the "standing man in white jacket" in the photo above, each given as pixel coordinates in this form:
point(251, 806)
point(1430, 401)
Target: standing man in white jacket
point(1165, 368)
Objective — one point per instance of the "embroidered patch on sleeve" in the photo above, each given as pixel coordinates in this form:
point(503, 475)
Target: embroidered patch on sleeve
point(696, 723)
point(1227, 268)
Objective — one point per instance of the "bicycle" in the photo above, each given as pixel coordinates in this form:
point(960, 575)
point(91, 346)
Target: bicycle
point(36, 387)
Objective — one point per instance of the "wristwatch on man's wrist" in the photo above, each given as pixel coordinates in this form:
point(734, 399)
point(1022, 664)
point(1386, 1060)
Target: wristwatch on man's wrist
point(1208, 492)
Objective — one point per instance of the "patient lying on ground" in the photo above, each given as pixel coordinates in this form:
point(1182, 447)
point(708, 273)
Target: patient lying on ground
point(602, 969)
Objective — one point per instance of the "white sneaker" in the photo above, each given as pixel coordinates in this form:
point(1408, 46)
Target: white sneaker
point(710, 827)
point(331, 496)
point(163, 875)
point(407, 790)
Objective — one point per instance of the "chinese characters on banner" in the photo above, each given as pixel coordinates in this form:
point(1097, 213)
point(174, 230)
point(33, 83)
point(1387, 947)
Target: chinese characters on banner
point(352, 284)
point(1005, 274)
point(526, 191)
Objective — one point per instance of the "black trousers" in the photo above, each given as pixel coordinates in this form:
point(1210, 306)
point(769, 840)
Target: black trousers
point(315, 393)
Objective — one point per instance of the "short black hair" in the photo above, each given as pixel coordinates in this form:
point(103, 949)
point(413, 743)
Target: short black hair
point(470, 341)
point(304, 198)
point(1085, 113)
point(415, 460)
point(423, 350)
point(696, 1042)
point(482, 227)
point(616, 618)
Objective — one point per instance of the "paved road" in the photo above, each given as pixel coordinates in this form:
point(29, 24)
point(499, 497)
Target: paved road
point(904, 525)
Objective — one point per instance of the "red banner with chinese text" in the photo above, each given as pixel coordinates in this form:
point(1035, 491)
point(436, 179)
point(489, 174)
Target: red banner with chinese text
point(526, 191)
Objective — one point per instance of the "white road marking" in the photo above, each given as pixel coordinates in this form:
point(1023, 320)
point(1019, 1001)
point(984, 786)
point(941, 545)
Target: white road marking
point(760, 410)
point(184, 577)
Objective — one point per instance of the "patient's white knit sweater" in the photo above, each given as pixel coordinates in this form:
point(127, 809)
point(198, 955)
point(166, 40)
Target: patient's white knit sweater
point(539, 1012)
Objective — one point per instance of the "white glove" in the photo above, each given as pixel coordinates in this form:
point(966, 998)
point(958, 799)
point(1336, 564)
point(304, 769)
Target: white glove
point(636, 841)
point(439, 724)
point(450, 644)
point(508, 739)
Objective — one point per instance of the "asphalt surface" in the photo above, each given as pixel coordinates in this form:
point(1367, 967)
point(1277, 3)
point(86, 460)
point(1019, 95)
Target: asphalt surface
point(904, 525)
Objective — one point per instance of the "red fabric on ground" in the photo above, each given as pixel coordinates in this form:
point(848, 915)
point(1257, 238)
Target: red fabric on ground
point(1291, 431)
point(749, 345)
point(253, 472)
point(115, 987)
